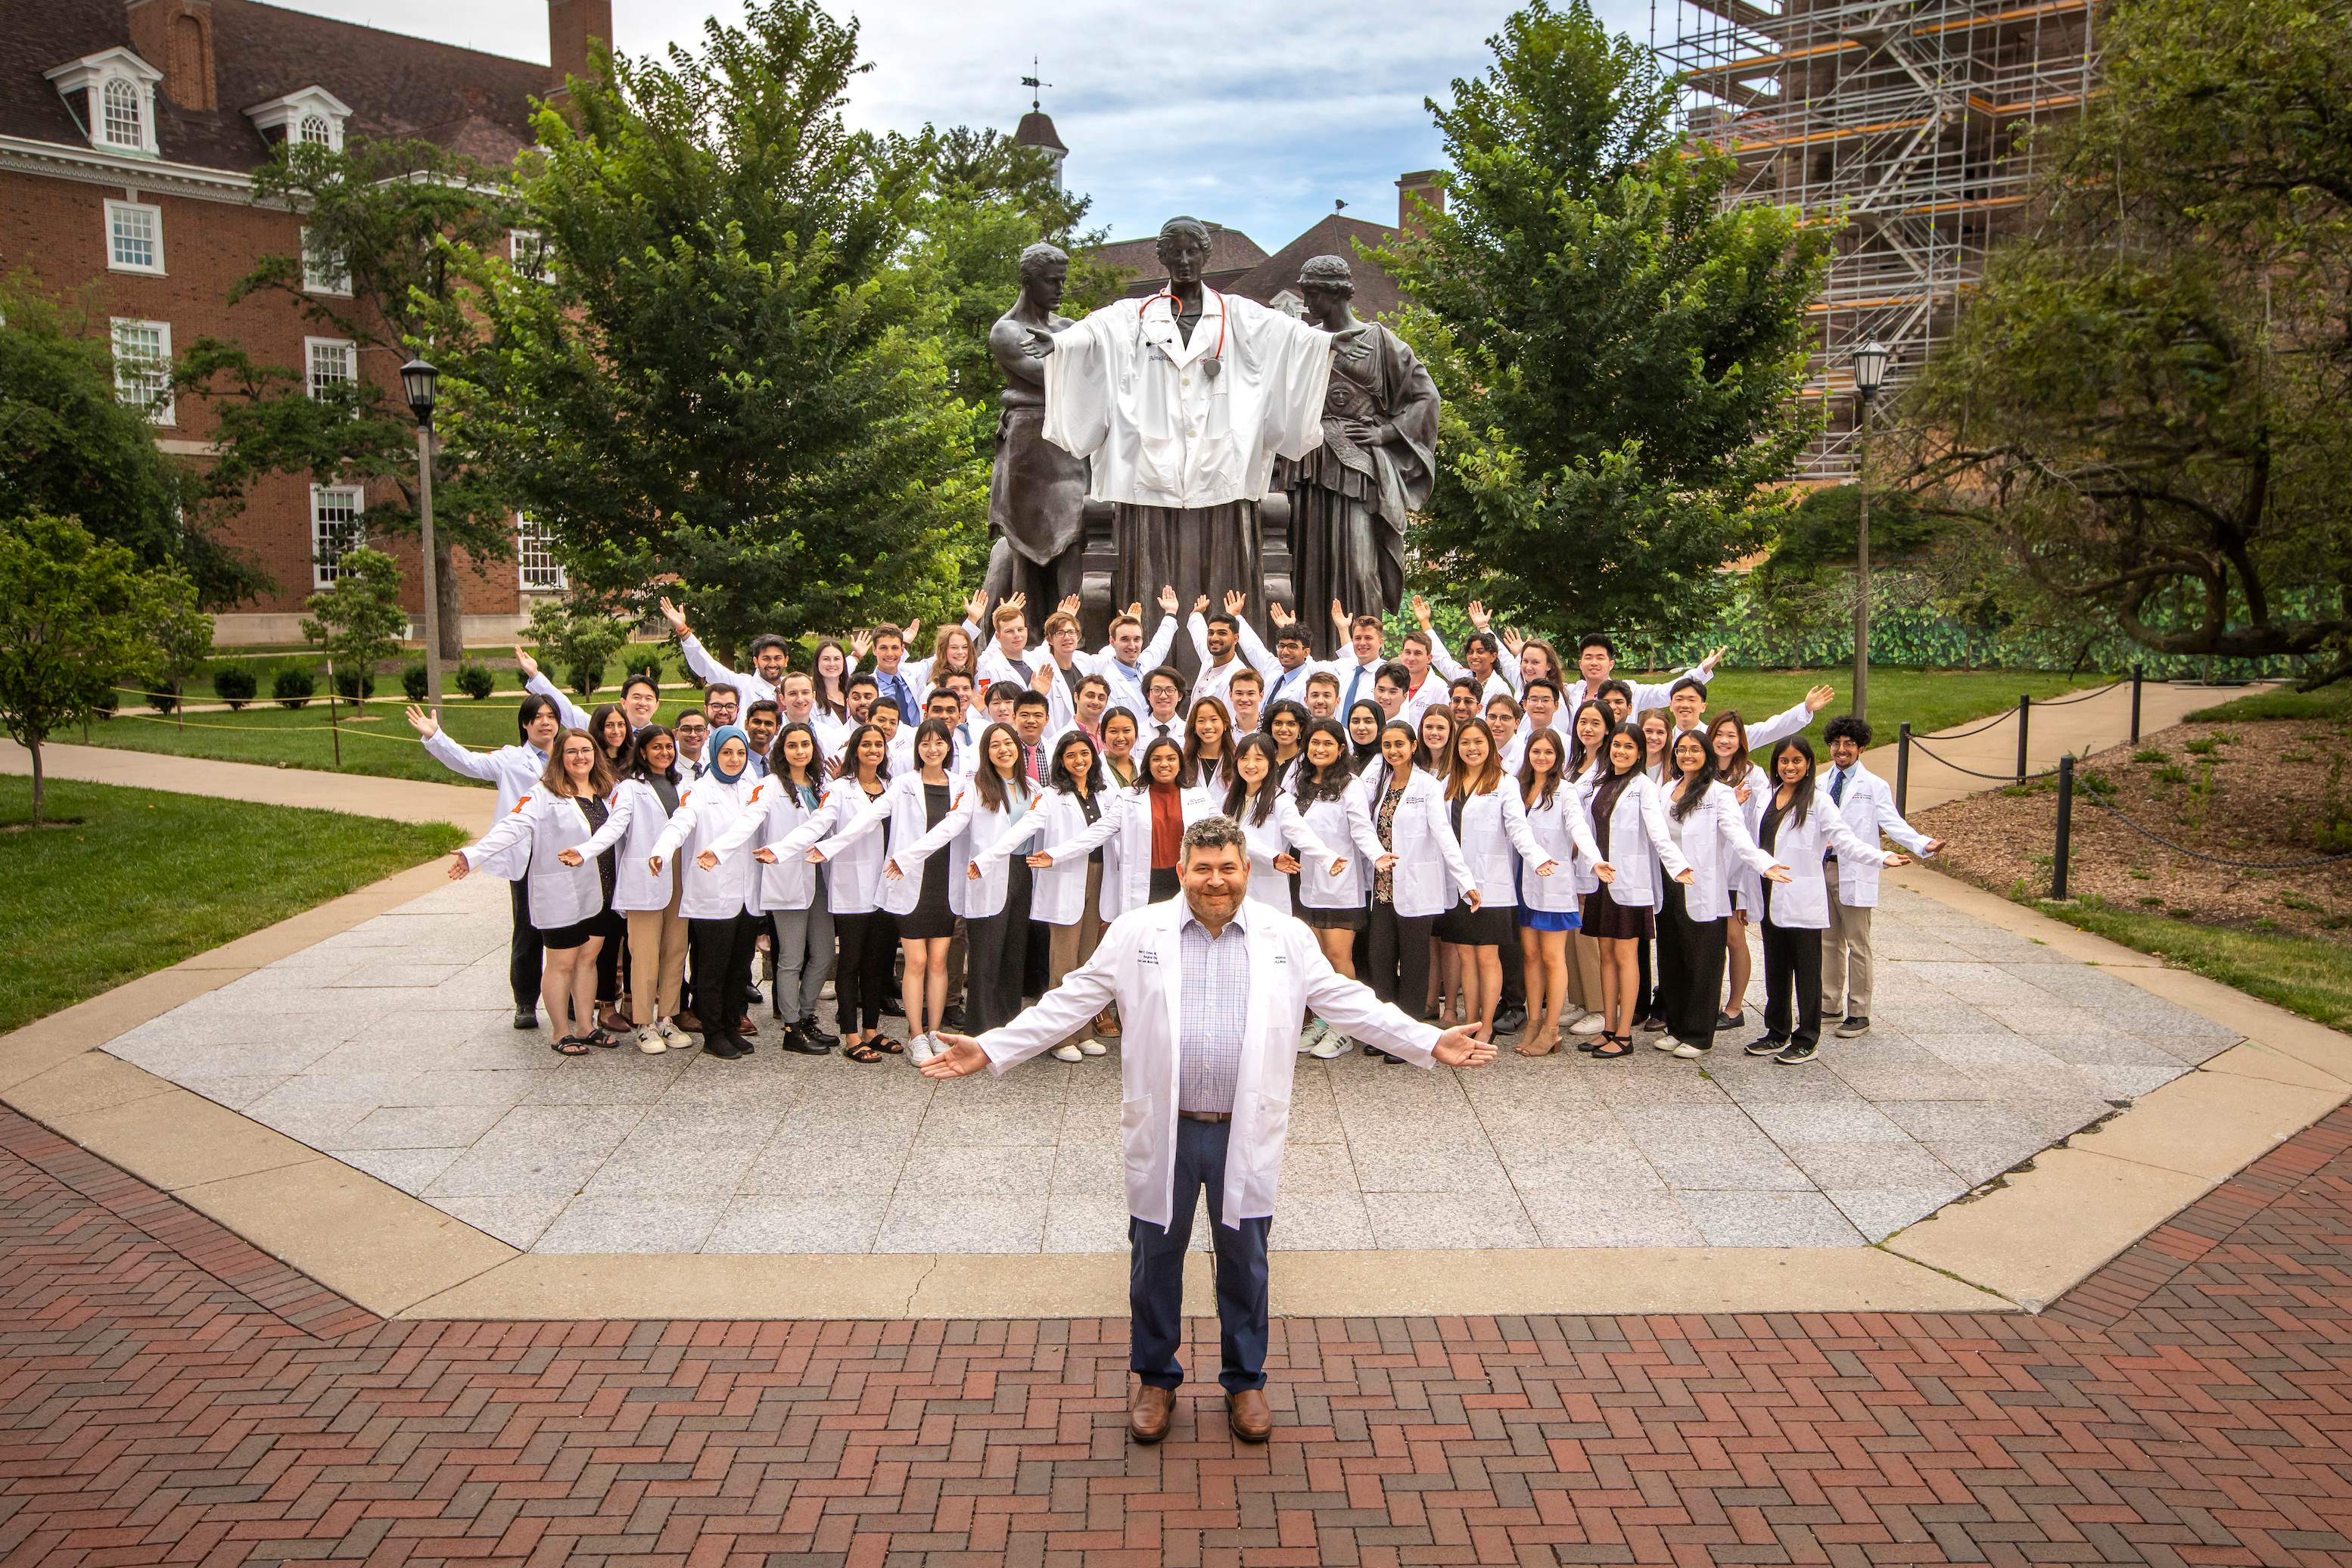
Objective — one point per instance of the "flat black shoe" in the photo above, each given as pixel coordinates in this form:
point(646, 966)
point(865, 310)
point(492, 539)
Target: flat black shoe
point(1768, 1045)
point(1724, 1021)
point(526, 1017)
point(796, 1038)
point(892, 1007)
point(722, 1050)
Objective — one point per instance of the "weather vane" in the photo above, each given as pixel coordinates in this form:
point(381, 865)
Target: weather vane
point(1034, 84)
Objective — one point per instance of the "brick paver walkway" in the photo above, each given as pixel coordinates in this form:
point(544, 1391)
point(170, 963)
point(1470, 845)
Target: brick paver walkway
point(169, 1394)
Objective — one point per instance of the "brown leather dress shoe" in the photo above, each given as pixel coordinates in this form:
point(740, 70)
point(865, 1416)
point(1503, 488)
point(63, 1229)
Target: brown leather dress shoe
point(1249, 1416)
point(1153, 1412)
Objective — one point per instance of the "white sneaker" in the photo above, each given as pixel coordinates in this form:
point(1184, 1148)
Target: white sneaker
point(1690, 1053)
point(1068, 1053)
point(1090, 1046)
point(650, 1042)
point(1311, 1035)
point(1590, 1023)
point(922, 1049)
point(1332, 1044)
point(1665, 1042)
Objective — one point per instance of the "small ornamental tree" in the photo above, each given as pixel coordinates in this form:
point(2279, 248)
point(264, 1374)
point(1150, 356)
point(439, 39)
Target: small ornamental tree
point(358, 622)
point(575, 638)
point(77, 615)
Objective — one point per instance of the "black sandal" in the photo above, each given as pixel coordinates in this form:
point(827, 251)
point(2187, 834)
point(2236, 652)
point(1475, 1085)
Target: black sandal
point(569, 1046)
point(887, 1046)
point(1624, 1043)
point(861, 1052)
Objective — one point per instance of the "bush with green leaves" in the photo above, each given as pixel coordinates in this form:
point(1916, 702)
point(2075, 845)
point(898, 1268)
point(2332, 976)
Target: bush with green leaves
point(358, 623)
point(292, 686)
point(475, 680)
point(355, 686)
point(573, 640)
point(412, 681)
point(234, 684)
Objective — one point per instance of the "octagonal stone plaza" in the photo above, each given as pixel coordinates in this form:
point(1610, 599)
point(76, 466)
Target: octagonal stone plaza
point(390, 1048)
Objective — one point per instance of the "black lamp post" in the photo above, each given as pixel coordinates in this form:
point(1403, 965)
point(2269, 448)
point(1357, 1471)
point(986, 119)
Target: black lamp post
point(1869, 375)
point(417, 380)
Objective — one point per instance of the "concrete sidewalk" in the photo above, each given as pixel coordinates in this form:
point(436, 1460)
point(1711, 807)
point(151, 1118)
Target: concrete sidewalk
point(402, 800)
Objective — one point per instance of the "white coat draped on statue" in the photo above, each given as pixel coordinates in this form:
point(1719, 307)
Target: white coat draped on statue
point(1182, 432)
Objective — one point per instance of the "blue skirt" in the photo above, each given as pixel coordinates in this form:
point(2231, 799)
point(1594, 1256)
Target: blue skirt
point(1544, 920)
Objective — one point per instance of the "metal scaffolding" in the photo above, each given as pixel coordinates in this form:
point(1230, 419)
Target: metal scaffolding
point(1907, 118)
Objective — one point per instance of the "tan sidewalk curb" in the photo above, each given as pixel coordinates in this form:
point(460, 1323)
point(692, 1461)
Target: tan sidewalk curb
point(361, 794)
point(2029, 1240)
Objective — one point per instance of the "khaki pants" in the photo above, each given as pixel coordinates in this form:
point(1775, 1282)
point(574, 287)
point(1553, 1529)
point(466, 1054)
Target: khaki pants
point(1584, 971)
point(1845, 959)
point(1073, 945)
point(656, 961)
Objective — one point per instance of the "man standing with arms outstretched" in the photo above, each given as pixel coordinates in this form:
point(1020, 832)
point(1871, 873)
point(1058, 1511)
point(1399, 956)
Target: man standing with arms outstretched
point(1211, 990)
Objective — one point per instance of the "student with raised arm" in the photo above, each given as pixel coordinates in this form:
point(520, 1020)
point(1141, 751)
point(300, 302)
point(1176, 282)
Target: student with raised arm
point(770, 655)
point(1596, 659)
point(1294, 659)
point(539, 840)
point(1361, 663)
point(1482, 653)
point(516, 770)
point(1688, 700)
point(1225, 643)
point(1127, 658)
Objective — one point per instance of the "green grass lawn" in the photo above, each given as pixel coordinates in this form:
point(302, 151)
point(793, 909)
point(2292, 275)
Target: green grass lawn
point(145, 879)
point(2306, 975)
point(2329, 702)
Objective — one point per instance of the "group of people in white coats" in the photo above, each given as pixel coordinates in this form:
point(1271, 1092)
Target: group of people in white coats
point(1490, 843)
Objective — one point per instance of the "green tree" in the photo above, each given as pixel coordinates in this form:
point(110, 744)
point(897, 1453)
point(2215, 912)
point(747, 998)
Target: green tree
point(381, 216)
point(2147, 409)
point(76, 618)
point(71, 446)
point(575, 638)
point(731, 382)
point(1618, 349)
point(358, 623)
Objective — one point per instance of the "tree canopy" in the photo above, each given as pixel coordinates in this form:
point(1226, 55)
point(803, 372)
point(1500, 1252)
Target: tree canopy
point(1618, 349)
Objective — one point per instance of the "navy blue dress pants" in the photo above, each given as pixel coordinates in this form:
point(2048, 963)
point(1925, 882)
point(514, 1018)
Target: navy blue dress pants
point(1155, 1289)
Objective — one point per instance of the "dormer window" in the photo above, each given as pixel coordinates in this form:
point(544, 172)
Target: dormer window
point(112, 96)
point(313, 116)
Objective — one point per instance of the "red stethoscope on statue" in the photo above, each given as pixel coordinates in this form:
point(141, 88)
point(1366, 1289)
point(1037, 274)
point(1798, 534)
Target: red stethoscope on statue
point(1215, 364)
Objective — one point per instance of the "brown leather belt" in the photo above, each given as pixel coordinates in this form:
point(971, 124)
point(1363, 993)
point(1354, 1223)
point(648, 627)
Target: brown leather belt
point(1206, 1115)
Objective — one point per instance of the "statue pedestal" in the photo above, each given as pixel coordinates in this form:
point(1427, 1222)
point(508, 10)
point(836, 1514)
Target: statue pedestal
point(1099, 563)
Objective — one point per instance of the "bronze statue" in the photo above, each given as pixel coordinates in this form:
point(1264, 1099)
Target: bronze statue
point(1037, 491)
point(1351, 495)
point(1182, 401)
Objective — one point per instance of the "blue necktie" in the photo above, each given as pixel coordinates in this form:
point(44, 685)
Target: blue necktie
point(1837, 786)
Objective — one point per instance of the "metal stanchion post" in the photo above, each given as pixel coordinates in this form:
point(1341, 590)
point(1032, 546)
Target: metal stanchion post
point(2136, 676)
point(1902, 764)
point(2065, 828)
point(2024, 711)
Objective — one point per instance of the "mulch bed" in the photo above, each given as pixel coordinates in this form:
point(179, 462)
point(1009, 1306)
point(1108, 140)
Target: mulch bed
point(2264, 791)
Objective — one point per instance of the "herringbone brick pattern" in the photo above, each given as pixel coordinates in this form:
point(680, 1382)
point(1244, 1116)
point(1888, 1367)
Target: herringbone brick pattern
point(168, 1394)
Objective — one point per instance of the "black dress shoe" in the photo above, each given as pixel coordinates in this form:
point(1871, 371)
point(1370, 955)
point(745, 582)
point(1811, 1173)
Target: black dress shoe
point(796, 1038)
point(952, 1018)
point(816, 1031)
point(526, 1017)
point(892, 1007)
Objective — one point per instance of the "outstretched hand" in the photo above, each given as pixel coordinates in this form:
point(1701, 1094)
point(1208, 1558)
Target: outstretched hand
point(1167, 600)
point(1236, 601)
point(424, 722)
point(673, 615)
point(1280, 616)
point(1456, 1049)
point(1818, 698)
point(530, 666)
point(459, 868)
point(964, 1058)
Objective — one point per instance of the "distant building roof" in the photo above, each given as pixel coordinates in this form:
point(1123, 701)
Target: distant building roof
point(1377, 294)
point(396, 86)
point(1232, 253)
point(1036, 130)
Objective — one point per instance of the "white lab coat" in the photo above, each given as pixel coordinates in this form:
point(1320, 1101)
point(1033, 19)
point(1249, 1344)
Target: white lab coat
point(772, 808)
point(1717, 844)
point(1639, 842)
point(633, 828)
point(1124, 389)
point(748, 686)
point(1562, 829)
point(1869, 809)
point(974, 834)
point(543, 825)
point(1214, 679)
point(1802, 902)
point(1746, 889)
point(515, 770)
point(1337, 822)
point(706, 810)
point(837, 836)
point(1283, 830)
point(1429, 857)
point(1495, 827)
point(1139, 966)
point(1057, 895)
point(1124, 833)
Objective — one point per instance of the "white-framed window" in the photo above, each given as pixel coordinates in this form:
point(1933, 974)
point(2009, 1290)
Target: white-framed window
point(324, 273)
point(309, 115)
point(122, 118)
point(315, 129)
point(527, 253)
point(334, 529)
point(331, 362)
point(142, 368)
point(535, 552)
point(135, 237)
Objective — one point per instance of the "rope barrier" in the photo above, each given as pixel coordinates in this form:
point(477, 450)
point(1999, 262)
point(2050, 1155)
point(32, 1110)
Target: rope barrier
point(242, 730)
point(1993, 723)
point(2079, 697)
point(2212, 859)
point(1971, 773)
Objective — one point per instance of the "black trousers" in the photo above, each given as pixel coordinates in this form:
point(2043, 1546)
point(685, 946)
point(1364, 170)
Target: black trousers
point(1645, 989)
point(1400, 958)
point(862, 971)
point(722, 952)
point(1000, 957)
point(525, 955)
point(1791, 958)
point(1514, 973)
point(1690, 969)
point(613, 969)
point(1155, 1277)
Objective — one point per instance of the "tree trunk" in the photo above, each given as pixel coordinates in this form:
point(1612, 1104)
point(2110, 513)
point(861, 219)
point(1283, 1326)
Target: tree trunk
point(453, 626)
point(35, 747)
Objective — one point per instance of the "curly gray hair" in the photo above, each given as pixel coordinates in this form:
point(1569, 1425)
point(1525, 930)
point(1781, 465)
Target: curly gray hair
point(1215, 833)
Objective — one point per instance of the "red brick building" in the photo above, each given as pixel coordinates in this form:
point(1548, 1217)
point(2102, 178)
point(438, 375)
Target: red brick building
point(127, 137)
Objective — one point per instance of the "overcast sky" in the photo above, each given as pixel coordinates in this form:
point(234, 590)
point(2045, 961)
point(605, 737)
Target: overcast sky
point(1202, 109)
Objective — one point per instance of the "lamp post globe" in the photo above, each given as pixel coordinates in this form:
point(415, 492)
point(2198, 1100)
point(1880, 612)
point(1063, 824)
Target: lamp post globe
point(417, 381)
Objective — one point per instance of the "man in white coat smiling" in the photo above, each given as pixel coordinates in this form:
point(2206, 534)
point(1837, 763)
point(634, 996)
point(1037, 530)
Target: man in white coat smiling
point(1211, 989)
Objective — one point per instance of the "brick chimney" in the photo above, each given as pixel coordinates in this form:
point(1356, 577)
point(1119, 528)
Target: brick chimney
point(1415, 190)
point(175, 36)
point(574, 28)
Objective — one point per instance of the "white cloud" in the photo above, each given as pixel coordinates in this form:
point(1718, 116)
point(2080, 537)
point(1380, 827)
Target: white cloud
point(1256, 117)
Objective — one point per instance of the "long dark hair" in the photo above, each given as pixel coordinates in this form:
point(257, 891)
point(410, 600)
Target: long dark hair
point(533, 705)
point(1065, 781)
point(638, 769)
point(1734, 770)
point(1687, 792)
point(1459, 781)
point(1226, 750)
point(1297, 710)
point(945, 733)
point(784, 770)
point(1577, 758)
point(1316, 785)
point(1143, 767)
point(993, 793)
point(1267, 792)
point(1801, 795)
point(849, 752)
point(1552, 777)
point(840, 711)
point(1420, 756)
point(623, 757)
point(1364, 756)
point(1608, 753)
